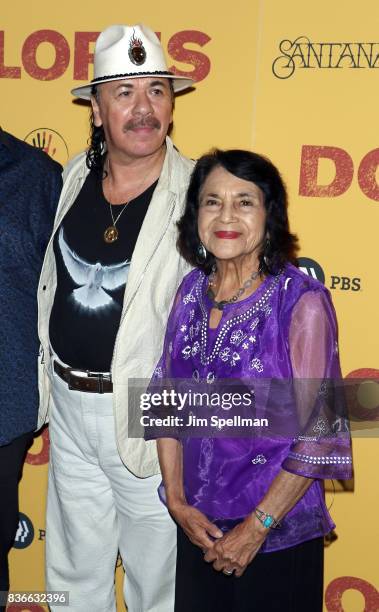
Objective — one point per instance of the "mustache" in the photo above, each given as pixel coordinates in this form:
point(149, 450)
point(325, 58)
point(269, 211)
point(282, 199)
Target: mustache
point(150, 122)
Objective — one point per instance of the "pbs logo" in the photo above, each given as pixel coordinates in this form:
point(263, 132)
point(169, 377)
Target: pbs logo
point(337, 282)
point(311, 268)
point(25, 532)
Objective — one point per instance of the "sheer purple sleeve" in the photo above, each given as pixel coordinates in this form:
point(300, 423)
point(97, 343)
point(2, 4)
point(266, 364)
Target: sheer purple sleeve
point(322, 448)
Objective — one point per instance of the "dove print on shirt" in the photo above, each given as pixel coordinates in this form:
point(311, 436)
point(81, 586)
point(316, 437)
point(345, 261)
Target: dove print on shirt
point(95, 281)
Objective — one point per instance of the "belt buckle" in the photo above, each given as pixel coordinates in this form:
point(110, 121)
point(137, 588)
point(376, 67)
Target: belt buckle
point(100, 380)
point(73, 381)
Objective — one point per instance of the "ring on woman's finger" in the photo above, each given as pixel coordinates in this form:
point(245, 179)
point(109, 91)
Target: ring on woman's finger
point(228, 572)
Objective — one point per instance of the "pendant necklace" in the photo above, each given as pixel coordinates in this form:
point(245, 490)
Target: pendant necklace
point(111, 233)
point(222, 303)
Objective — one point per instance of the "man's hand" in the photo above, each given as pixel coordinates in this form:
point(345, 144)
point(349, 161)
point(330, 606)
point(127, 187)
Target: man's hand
point(237, 548)
point(196, 525)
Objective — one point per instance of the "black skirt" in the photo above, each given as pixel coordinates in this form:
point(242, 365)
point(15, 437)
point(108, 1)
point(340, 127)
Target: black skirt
point(289, 580)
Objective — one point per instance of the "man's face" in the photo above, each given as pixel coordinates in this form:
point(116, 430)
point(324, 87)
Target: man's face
point(135, 115)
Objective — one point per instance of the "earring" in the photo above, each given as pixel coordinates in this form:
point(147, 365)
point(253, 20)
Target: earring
point(266, 250)
point(201, 253)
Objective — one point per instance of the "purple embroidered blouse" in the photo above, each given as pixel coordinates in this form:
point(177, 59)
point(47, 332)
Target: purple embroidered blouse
point(285, 330)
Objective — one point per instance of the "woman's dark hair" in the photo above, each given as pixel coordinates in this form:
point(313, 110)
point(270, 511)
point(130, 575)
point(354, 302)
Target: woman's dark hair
point(280, 245)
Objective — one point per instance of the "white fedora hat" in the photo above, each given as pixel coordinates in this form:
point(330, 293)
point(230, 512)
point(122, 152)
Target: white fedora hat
point(127, 52)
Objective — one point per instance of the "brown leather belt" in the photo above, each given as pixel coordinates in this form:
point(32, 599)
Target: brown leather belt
point(92, 382)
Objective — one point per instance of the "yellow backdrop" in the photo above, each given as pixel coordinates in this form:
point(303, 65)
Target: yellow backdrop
point(294, 80)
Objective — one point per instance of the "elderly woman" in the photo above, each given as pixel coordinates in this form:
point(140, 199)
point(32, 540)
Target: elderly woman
point(250, 511)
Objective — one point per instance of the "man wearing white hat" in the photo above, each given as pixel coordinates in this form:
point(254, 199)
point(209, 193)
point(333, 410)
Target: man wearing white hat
point(110, 273)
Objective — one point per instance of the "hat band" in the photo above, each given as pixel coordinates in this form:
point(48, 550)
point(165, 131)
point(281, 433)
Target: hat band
point(130, 74)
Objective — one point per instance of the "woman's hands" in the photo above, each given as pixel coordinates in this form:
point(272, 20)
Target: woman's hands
point(237, 548)
point(231, 551)
point(195, 524)
point(198, 528)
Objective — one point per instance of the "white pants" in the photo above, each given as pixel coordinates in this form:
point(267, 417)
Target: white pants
point(95, 506)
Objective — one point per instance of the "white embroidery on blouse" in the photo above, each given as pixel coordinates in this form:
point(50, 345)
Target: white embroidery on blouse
point(254, 323)
point(323, 390)
point(191, 314)
point(256, 364)
point(210, 377)
point(158, 372)
point(196, 376)
point(237, 337)
point(183, 328)
point(195, 348)
point(259, 459)
point(194, 330)
point(186, 352)
point(320, 459)
point(321, 427)
point(267, 310)
point(288, 279)
point(189, 298)
point(230, 323)
point(225, 353)
point(340, 424)
point(245, 345)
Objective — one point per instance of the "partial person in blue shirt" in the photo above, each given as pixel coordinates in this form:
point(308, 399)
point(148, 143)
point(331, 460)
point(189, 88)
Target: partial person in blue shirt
point(30, 184)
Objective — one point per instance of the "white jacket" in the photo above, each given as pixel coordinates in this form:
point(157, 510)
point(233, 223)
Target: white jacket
point(155, 273)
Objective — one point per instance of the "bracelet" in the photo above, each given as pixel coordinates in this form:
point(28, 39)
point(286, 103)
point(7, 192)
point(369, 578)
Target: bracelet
point(266, 519)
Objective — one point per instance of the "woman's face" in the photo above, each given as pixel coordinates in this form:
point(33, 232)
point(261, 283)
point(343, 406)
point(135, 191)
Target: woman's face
point(232, 216)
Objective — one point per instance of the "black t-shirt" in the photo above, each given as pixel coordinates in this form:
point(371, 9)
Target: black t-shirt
point(91, 276)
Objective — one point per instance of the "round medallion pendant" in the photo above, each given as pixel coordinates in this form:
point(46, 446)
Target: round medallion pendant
point(111, 234)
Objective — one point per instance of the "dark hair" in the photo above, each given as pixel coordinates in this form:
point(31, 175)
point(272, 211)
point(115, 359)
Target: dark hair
point(280, 245)
point(96, 140)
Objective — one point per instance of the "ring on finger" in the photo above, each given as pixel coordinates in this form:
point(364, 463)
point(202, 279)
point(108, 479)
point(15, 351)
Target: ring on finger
point(228, 572)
